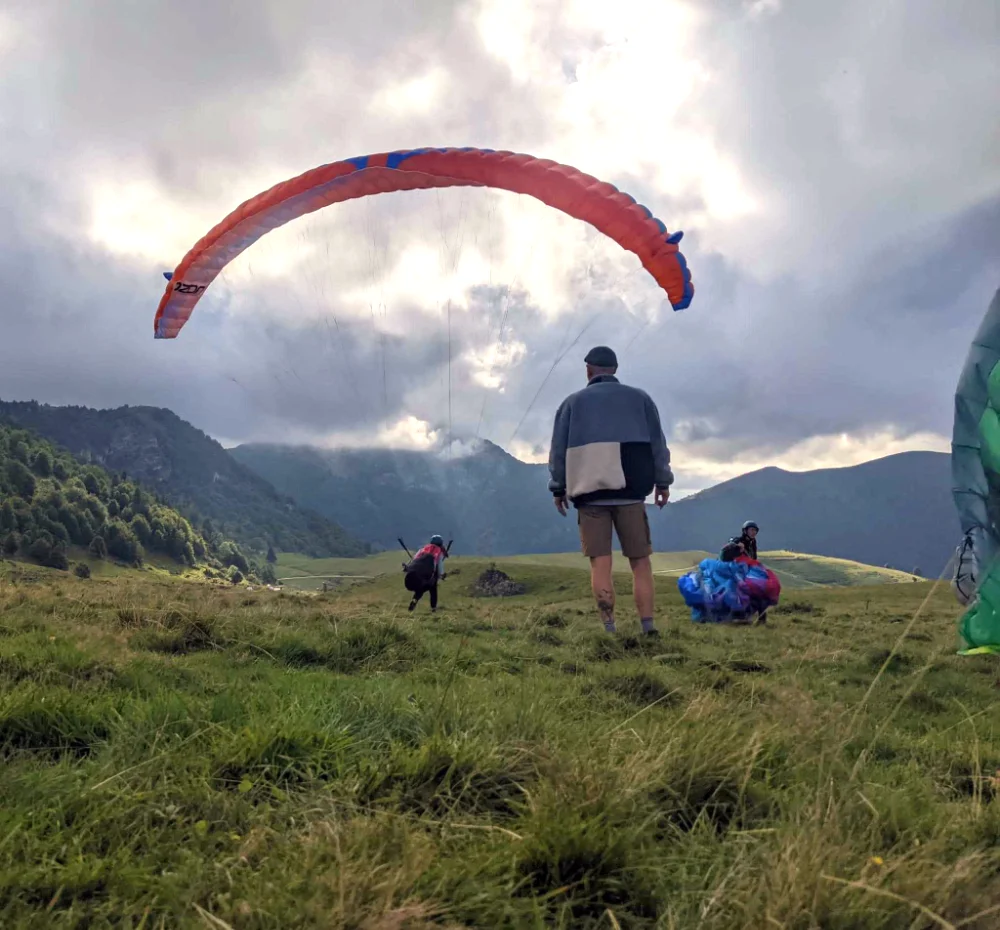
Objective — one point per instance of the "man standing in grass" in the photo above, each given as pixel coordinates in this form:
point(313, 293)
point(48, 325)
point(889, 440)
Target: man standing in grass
point(608, 455)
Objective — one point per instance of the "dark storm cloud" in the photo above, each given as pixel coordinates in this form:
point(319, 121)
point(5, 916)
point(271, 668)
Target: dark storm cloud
point(194, 90)
point(862, 121)
point(846, 305)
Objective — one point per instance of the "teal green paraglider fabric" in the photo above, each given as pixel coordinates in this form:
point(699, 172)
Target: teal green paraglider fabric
point(975, 463)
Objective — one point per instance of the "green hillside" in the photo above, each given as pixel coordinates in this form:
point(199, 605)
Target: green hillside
point(663, 562)
point(301, 571)
point(795, 570)
point(181, 756)
point(53, 508)
point(190, 471)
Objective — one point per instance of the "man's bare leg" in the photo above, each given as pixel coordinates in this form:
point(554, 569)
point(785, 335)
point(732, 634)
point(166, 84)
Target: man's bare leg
point(642, 584)
point(604, 590)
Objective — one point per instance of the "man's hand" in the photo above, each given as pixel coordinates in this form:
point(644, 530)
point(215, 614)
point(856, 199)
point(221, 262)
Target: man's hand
point(662, 496)
point(562, 505)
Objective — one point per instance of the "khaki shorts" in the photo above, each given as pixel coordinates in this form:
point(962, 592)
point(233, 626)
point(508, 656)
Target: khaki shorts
point(630, 523)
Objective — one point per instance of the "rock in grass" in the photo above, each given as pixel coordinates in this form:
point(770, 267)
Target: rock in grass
point(495, 583)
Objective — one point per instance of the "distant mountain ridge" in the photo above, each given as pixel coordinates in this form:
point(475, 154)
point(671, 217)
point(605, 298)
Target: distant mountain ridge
point(188, 469)
point(494, 503)
point(894, 511)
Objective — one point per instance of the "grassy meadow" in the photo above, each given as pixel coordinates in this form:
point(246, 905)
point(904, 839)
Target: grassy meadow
point(193, 756)
point(795, 570)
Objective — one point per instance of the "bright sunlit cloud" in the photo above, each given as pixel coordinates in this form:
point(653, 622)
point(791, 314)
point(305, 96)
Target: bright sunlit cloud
point(419, 94)
point(8, 31)
point(134, 217)
point(490, 363)
point(408, 432)
point(757, 9)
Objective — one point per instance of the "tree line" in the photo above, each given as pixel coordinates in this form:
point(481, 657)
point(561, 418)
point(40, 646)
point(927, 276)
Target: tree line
point(49, 502)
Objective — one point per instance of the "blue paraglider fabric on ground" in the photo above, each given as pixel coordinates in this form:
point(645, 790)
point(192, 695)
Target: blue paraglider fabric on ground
point(719, 592)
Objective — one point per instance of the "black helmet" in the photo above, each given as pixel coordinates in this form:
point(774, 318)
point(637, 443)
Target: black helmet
point(437, 541)
point(750, 525)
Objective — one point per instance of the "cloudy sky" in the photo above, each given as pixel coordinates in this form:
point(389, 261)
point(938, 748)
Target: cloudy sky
point(835, 168)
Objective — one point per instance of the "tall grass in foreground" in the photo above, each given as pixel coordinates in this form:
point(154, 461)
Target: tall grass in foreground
point(181, 756)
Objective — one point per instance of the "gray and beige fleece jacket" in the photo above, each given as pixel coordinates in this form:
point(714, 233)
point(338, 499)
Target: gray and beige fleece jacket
point(607, 444)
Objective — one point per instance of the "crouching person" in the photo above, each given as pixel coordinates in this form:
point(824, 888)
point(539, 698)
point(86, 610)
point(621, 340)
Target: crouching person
point(424, 571)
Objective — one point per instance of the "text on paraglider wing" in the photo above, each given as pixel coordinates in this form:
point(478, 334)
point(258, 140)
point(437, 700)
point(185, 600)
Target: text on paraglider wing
point(181, 288)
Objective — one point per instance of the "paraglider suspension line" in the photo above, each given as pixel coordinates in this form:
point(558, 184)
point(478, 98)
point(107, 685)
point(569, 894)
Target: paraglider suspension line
point(449, 381)
point(496, 351)
point(548, 374)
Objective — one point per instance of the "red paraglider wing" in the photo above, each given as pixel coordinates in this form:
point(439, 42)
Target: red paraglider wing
point(761, 582)
point(614, 213)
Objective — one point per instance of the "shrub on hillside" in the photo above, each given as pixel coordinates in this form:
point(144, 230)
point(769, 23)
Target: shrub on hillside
point(50, 501)
point(230, 555)
point(40, 550)
point(42, 464)
point(121, 541)
point(98, 547)
point(20, 480)
point(58, 558)
point(8, 518)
